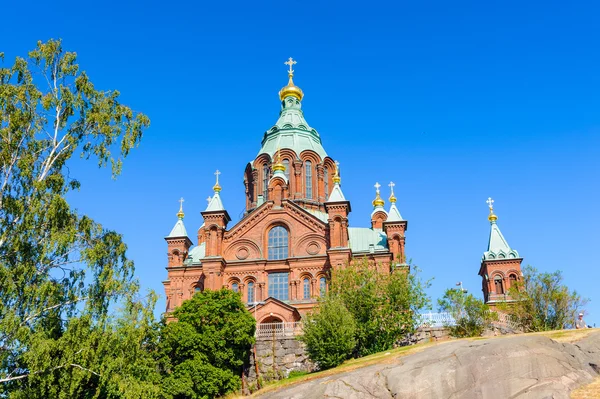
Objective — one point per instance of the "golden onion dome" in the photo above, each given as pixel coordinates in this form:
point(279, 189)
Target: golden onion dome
point(392, 198)
point(378, 201)
point(291, 90)
point(492, 217)
point(279, 167)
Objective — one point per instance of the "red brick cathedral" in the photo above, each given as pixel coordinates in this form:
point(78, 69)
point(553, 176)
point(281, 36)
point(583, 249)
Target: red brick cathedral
point(294, 230)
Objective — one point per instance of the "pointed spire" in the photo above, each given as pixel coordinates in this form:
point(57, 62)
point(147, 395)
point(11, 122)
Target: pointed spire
point(179, 228)
point(394, 213)
point(336, 194)
point(214, 203)
point(498, 247)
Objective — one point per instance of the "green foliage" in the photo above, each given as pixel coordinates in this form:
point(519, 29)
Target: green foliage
point(329, 333)
point(61, 272)
point(472, 316)
point(542, 302)
point(201, 355)
point(384, 305)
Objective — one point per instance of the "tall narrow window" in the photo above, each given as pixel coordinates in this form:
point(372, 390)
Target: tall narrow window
point(278, 243)
point(251, 292)
point(306, 288)
point(265, 182)
point(278, 286)
point(235, 287)
point(498, 285)
point(326, 177)
point(308, 176)
point(513, 279)
point(286, 163)
point(322, 286)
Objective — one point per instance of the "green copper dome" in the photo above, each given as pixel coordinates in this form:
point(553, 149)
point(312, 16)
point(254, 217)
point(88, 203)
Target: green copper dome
point(291, 131)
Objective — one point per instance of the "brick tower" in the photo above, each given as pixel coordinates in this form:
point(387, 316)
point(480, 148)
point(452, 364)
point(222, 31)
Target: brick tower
point(500, 265)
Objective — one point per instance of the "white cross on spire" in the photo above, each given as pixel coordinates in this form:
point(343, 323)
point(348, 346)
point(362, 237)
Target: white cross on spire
point(209, 199)
point(377, 185)
point(181, 204)
point(217, 173)
point(490, 203)
point(290, 62)
point(391, 186)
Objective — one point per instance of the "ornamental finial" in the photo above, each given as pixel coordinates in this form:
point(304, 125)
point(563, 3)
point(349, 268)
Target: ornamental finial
point(377, 201)
point(336, 177)
point(492, 217)
point(217, 187)
point(392, 196)
point(180, 214)
point(290, 62)
point(278, 165)
point(291, 90)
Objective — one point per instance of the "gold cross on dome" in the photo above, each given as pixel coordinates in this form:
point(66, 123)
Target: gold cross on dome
point(391, 186)
point(377, 185)
point(490, 203)
point(290, 62)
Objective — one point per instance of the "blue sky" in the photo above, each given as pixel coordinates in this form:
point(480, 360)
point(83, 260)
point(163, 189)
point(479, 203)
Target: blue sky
point(453, 101)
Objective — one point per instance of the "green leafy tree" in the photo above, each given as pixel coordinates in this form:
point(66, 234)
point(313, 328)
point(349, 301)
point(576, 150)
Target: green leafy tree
point(384, 305)
point(541, 302)
point(329, 333)
point(471, 315)
point(60, 272)
point(202, 354)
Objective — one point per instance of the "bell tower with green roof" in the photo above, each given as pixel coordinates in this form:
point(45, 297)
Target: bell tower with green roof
point(500, 264)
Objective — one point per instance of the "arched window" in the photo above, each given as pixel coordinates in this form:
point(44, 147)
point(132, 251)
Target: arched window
point(278, 243)
point(251, 292)
point(322, 286)
point(326, 177)
point(498, 285)
point(308, 176)
point(286, 163)
point(265, 182)
point(235, 287)
point(513, 279)
point(306, 288)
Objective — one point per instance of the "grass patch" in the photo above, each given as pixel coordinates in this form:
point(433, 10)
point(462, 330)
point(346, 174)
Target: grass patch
point(589, 391)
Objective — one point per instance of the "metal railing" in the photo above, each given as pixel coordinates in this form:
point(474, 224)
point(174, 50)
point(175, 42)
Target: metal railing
point(431, 319)
point(278, 330)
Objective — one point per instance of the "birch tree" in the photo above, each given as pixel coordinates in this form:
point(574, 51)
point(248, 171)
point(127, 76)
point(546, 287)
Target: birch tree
point(62, 273)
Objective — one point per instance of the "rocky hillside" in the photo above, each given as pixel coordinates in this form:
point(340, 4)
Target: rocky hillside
point(522, 366)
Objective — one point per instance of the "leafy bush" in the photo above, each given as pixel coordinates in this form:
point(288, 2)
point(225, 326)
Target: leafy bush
point(472, 316)
point(384, 304)
point(201, 355)
point(329, 333)
point(540, 302)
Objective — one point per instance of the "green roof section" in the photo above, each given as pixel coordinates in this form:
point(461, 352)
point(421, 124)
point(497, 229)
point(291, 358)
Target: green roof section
point(364, 239)
point(196, 254)
point(178, 230)
point(292, 131)
point(336, 194)
point(394, 214)
point(498, 247)
point(215, 203)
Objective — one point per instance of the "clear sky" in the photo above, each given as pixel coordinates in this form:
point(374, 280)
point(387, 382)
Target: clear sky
point(453, 101)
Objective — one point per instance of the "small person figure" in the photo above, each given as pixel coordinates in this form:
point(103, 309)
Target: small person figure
point(579, 323)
